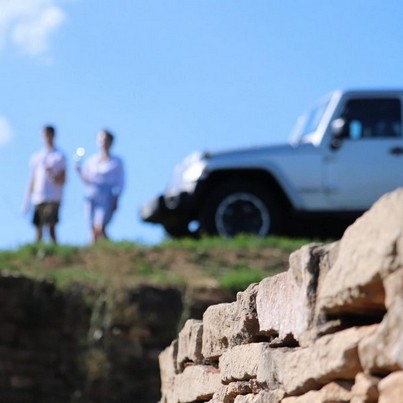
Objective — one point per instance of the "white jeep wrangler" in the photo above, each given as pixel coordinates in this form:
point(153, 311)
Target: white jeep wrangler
point(345, 153)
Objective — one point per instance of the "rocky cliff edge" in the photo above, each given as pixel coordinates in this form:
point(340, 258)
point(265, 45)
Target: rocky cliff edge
point(329, 329)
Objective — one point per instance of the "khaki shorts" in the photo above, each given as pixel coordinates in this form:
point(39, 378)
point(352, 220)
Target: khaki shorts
point(46, 214)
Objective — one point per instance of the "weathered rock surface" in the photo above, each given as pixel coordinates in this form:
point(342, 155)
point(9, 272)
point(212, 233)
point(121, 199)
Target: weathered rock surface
point(382, 352)
point(391, 388)
point(230, 324)
point(331, 357)
point(370, 249)
point(329, 329)
point(240, 363)
point(190, 343)
point(285, 303)
point(338, 391)
point(197, 383)
point(365, 389)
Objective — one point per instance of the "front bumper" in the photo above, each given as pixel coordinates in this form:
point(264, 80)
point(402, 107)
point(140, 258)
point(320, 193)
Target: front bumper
point(168, 210)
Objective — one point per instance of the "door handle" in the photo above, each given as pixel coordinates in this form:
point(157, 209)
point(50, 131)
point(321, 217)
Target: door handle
point(396, 151)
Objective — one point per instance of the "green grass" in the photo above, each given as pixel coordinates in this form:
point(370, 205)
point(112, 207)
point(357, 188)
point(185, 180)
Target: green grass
point(31, 252)
point(66, 276)
point(31, 260)
point(240, 278)
point(240, 241)
point(237, 278)
point(123, 263)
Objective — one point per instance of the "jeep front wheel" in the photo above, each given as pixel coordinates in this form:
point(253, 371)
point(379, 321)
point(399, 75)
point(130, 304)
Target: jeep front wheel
point(178, 230)
point(240, 208)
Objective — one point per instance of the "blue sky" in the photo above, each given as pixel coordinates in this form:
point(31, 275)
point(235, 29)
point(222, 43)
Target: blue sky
point(169, 77)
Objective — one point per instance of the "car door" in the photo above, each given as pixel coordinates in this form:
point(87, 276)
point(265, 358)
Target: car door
point(369, 158)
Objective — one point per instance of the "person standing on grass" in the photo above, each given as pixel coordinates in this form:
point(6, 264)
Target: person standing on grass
point(46, 182)
point(103, 177)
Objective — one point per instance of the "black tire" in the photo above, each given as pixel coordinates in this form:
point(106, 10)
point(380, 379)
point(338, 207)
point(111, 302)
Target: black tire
point(236, 207)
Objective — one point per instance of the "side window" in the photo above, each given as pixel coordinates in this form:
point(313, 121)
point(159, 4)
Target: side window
point(373, 118)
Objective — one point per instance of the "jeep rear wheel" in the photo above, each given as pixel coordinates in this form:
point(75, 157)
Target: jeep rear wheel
point(239, 207)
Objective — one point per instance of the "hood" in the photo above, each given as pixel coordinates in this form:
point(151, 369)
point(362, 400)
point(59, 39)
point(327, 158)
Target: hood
point(250, 152)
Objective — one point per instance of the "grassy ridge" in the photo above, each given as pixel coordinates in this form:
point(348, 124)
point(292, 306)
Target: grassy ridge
point(231, 264)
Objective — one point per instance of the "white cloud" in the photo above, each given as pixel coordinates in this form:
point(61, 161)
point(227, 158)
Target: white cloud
point(29, 24)
point(6, 132)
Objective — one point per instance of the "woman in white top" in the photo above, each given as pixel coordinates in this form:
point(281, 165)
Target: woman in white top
point(103, 176)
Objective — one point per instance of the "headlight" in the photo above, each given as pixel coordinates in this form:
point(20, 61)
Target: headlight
point(187, 173)
point(194, 171)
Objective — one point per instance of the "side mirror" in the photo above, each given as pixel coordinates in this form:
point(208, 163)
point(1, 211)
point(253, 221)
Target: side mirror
point(339, 130)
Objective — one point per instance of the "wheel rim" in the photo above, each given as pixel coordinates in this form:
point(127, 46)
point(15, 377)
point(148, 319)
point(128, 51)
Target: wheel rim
point(242, 213)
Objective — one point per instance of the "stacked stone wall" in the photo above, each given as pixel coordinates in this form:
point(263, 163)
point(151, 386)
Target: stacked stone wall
point(329, 329)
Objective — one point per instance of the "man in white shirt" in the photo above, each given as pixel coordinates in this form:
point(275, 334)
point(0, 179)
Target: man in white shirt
point(45, 190)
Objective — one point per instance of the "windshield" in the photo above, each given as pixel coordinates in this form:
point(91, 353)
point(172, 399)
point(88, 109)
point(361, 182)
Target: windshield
point(308, 123)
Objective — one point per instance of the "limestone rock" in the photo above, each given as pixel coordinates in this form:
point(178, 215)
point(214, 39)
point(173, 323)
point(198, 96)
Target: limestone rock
point(330, 358)
point(196, 383)
point(167, 360)
point(370, 249)
point(240, 363)
point(365, 389)
point(393, 287)
point(227, 393)
point(230, 324)
point(326, 330)
point(391, 388)
point(285, 303)
point(265, 396)
point(271, 367)
point(335, 392)
point(190, 343)
point(382, 351)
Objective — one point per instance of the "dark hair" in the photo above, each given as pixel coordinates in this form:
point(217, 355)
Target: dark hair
point(50, 130)
point(109, 135)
